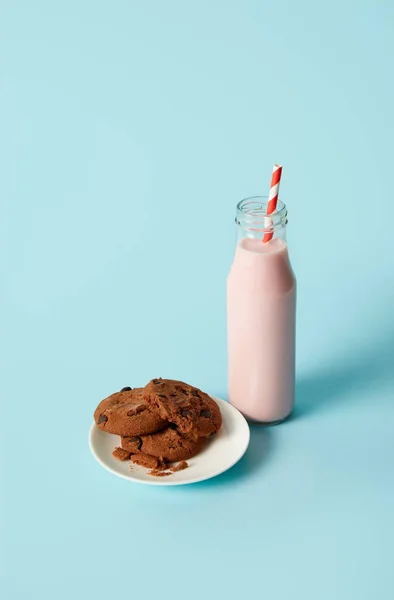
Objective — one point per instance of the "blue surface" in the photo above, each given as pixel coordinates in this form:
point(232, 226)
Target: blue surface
point(129, 132)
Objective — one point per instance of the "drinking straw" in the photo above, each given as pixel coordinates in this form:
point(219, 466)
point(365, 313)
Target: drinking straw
point(272, 199)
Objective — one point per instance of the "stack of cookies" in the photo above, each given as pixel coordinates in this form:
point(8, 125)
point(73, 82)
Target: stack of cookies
point(165, 422)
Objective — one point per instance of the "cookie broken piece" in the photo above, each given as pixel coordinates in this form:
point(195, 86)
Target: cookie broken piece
point(167, 470)
point(194, 413)
point(158, 467)
point(180, 466)
point(144, 460)
point(121, 454)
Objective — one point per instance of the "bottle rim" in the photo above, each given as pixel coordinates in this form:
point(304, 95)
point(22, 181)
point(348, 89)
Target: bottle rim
point(252, 214)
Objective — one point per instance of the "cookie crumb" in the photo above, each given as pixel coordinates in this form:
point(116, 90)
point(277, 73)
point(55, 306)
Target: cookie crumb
point(162, 470)
point(121, 454)
point(159, 473)
point(179, 467)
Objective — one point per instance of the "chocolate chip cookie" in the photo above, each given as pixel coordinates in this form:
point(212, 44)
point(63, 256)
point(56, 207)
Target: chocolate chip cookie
point(194, 413)
point(166, 445)
point(127, 413)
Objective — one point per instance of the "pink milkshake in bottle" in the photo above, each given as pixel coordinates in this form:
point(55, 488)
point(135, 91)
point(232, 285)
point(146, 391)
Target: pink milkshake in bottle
point(261, 302)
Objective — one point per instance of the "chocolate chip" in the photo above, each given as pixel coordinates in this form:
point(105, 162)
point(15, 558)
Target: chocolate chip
point(194, 393)
point(126, 389)
point(172, 426)
point(102, 419)
point(135, 410)
point(183, 391)
point(136, 441)
point(206, 414)
point(162, 396)
point(155, 381)
point(185, 412)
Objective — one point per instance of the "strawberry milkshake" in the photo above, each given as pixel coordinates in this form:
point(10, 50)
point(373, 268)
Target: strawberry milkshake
point(261, 302)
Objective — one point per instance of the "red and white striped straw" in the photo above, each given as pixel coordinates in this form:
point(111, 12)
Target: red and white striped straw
point(272, 199)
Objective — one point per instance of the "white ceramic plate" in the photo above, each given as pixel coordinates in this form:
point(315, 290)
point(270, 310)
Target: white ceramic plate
point(221, 453)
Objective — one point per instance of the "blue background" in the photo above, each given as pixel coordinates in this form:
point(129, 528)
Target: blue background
point(129, 132)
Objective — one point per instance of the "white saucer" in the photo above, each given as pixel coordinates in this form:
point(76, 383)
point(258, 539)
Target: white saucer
point(221, 453)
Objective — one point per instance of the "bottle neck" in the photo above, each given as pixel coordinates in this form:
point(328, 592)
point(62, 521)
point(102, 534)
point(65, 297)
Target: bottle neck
point(254, 223)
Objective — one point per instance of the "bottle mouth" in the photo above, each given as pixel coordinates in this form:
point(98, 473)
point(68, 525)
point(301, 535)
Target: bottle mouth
point(252, 214)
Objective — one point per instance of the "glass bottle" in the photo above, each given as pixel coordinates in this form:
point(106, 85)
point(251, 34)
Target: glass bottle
point(261, 309)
